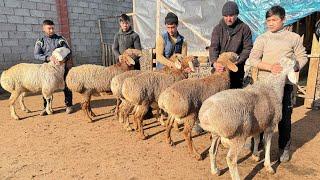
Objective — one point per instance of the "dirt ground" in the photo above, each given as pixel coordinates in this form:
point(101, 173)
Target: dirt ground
point(61, 146)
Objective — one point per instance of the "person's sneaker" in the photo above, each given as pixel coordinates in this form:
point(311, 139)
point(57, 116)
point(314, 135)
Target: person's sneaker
point(284, 155)
point(197, 129)
point(43, 112)
point(69, 109)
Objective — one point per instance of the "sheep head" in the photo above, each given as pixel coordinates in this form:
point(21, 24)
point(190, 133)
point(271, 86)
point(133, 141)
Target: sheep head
point(60, 55)
point(124, 58)
point(228, 59)
point(182, 62)
point(133, 53)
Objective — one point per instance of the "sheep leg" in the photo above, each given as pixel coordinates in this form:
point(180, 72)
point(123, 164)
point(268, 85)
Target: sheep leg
point(120, 115)
point(176, 126)
point(168, 131)
point(22, 105)
point(161, 120)
point(117, 107)
point(141, 111)
point(189, 122)
point(48, 106)
point(85, 106)
point(267, 162)
point(213, 154)
point(90, 109)
point(127, 123)
point(47, 94)
point(255, 153)
point(232, 158)
point(124, 110)
point(13, 97)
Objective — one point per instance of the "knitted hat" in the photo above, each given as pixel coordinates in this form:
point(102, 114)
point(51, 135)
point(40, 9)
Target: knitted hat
point(171, 18)
point(230, 8)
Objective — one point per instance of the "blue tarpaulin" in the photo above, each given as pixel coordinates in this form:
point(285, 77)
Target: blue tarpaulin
point(253, 12)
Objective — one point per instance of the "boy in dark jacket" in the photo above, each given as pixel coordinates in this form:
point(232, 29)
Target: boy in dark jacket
point(231, 35)
point(126, 38)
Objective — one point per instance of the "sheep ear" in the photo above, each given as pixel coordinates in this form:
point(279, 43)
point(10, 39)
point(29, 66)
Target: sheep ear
point(129, 60)
point(177, 64)
point(231, 66)
point(292, 76)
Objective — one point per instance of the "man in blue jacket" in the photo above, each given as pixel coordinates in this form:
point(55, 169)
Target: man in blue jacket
point(42, 51)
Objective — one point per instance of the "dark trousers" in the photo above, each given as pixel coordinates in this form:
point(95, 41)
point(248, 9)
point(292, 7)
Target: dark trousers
point(236, 78)
point(284, 126)
point(137, 64)
point(67, 92)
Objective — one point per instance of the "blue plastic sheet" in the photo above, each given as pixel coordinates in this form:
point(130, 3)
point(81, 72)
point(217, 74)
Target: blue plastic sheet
point(253, 12)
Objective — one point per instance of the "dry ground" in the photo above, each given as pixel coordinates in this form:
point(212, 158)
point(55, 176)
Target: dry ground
point(64, 146)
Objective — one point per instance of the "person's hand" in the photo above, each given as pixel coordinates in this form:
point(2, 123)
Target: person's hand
point(296, 68)
point(55, 61)
point(276, 68)
point(219, 67)
point(187, 70)
point(171, 65)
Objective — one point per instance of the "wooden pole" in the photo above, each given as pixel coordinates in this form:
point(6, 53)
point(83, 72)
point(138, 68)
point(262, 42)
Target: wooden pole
point(158, 18)
point(313, 73)
point(103, 50)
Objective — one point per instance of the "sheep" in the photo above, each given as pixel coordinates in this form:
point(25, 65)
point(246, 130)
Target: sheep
point(183, 99)
point(92, 79)
point(143, 90)
point(234, 115)
point(27, 77)
point(116, 87)
point(126, 108)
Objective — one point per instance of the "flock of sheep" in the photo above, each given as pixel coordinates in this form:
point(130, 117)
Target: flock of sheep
point(230, 115)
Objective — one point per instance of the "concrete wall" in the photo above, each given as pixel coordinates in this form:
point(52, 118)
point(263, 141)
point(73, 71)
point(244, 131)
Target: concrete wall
point(83, 20)
point(20, 26)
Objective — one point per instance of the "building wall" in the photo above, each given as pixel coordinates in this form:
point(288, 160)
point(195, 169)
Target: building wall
point(84, 31)
point(20, 26)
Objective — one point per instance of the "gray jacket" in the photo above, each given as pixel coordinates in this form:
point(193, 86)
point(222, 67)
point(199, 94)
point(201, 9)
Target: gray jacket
point(45, 45)
point(125, 40)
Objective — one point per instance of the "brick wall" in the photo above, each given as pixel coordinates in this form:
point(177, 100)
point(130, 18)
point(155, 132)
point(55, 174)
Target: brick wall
point(83, 20)
point(20, 26)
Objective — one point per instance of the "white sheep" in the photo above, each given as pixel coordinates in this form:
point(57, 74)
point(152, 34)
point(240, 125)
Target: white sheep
point(92, 79)
point(27, 77)
point(237, 114)
point(183, 99)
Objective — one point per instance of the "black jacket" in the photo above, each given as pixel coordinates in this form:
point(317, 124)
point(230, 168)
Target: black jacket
point(125, 40)
point(237, 39)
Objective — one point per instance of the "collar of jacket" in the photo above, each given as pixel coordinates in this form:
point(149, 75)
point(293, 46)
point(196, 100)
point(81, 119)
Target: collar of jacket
point(127, 32)
point(236, 26)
